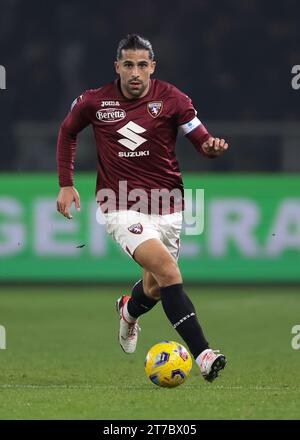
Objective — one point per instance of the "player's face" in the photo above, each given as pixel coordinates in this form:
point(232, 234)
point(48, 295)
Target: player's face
point(135, 68)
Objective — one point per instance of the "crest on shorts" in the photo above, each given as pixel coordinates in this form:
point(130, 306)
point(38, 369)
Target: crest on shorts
point(155, 108)
point(136, 228)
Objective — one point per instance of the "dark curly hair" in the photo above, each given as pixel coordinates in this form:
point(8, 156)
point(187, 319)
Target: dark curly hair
point(134, 42)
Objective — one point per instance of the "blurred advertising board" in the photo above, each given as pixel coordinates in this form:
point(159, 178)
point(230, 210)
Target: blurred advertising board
point(250, 231)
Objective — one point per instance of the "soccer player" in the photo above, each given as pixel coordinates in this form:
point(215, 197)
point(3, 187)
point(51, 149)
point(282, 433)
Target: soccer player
point(135, 121)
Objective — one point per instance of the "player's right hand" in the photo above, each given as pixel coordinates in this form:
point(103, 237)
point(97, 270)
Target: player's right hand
point(67, 195)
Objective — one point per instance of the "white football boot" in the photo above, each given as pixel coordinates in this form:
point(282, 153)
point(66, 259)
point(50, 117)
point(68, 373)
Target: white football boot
point(210, 363)
point(128, 332)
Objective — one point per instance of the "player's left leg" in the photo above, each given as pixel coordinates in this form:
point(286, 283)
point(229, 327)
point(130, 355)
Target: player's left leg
point(155, 257)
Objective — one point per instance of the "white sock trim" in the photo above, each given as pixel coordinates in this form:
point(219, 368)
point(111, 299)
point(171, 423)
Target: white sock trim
point(127, 316)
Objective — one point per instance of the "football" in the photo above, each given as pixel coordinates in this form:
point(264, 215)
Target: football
point(168, 364)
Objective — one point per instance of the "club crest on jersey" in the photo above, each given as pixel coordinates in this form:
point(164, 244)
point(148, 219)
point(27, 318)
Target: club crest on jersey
point(137, 228)
point(155, 108)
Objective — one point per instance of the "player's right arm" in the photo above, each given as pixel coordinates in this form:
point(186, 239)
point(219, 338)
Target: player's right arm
point(75, 121)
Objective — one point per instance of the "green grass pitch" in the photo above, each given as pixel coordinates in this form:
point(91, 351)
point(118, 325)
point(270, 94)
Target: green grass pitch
point(63, 360)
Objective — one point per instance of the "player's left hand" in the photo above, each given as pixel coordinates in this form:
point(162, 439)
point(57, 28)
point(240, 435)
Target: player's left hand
point(215, 146)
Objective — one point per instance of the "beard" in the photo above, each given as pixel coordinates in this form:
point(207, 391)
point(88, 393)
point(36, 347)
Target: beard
point(136, 92)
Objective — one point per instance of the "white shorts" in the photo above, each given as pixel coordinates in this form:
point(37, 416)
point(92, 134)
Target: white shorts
point(131, 228)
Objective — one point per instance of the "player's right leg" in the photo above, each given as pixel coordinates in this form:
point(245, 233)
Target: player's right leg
point(144, 296)
point(130, 229)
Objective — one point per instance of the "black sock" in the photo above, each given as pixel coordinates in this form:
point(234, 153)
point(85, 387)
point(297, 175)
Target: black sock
point(182, 315)
point(139, 303)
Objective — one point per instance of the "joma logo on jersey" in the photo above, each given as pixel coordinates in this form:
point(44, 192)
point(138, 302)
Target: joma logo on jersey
point(132, 139)
point(110, 104)
point(110, 114)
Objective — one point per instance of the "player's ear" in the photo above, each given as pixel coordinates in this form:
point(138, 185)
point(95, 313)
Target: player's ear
point(153, 66)
point(117, 66)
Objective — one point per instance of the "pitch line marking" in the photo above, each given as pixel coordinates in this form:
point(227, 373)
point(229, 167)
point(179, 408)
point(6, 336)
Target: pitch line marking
point(91, 386)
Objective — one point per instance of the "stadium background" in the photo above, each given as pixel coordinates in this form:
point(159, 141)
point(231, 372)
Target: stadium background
point(235, 61)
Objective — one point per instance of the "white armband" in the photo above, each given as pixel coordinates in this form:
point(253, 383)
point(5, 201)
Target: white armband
point(189, 126)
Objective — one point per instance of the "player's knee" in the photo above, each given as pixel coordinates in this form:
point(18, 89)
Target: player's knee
point(154, 292)
point(169, 274)
point(151, 288)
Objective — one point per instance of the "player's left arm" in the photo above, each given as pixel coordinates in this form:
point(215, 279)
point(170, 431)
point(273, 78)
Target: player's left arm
point(205, 143)
point(193, 129)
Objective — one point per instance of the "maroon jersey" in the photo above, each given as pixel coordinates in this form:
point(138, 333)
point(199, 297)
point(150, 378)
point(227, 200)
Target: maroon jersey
point(135, 141)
